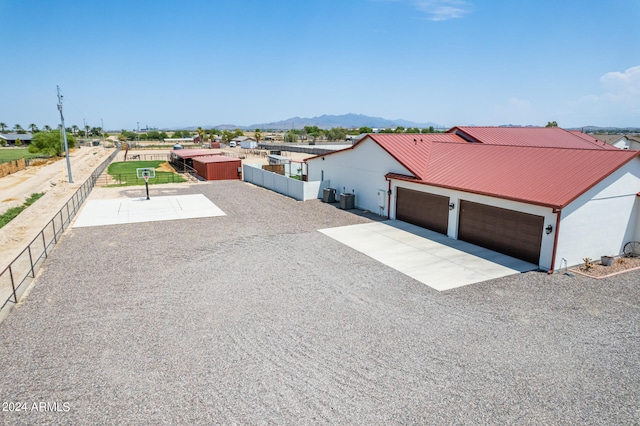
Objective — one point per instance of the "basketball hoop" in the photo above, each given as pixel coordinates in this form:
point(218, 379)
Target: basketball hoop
point(146, 174)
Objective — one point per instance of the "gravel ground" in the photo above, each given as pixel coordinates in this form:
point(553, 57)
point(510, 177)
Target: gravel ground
point(257, 318)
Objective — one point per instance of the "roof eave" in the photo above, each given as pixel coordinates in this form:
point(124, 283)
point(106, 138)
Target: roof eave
point(488, 194)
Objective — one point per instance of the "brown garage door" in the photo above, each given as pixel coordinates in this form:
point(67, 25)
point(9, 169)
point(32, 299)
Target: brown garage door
point(510, 232)
point(420, 208)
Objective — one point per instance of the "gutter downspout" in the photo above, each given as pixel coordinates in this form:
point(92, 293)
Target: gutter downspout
point(306, 177)
point(558, 212)
point(389, 199)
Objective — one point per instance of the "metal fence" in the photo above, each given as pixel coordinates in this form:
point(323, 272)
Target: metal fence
point(133, 179)
point(22, 270)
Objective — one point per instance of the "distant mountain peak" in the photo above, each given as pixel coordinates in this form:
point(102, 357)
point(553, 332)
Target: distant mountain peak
point(327, 121)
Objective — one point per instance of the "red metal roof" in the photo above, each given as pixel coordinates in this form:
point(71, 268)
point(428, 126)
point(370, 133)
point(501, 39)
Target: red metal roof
point(411, 150)
point(531, 136)
point(545, 176)
point(587, 137)
point(216, 159)
point(191, 153)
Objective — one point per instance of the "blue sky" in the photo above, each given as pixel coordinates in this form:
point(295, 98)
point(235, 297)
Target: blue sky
point(200, 63)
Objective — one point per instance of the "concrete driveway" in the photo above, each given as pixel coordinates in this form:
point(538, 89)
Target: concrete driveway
point(434, 259)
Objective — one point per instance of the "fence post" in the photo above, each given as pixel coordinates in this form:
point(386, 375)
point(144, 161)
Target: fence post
point(55, 235)
point(33, 274)
point(13, 285)
point(44, 244)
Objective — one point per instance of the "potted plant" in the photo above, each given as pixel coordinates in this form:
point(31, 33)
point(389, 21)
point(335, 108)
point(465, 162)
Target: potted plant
point(606, 260)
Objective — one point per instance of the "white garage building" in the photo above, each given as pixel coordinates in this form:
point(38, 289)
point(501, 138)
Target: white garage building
point(543, 204)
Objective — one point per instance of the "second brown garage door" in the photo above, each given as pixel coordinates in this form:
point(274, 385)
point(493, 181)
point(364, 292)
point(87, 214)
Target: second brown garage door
point(420, 208)
point(510, 232)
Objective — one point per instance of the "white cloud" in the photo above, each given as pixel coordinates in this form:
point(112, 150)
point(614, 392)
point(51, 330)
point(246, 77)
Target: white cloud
point(622, 84)
point(619, 102)
point(438, 10)
point(442, 10)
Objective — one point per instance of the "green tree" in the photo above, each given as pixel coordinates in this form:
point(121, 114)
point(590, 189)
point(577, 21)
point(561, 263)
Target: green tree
point(3, 127)
point(181, 134)
point(49, 143)
point(74, 128)
point(399, 129)
point(3, 142)
point(387, 130)
point(314, 131)
point(18, 142)
point(365, 129)
point(552, 124)
point(154, 135)
point(336, 133)
point(46, 128)
point(291, 136)
point(33, 128)
point(200, 132)
point(227, 136)
point(126, 135)
point(257, 135)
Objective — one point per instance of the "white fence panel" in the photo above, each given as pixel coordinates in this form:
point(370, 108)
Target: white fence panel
point(293, 188)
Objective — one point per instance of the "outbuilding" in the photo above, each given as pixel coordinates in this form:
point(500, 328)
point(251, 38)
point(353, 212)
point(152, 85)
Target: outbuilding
point(183, 159)
point(11, 138)
point(536, 201)
point(218, 167)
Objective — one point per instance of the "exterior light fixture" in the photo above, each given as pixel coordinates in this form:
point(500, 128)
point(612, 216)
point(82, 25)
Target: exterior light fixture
point(452, 206)
point(549, 229)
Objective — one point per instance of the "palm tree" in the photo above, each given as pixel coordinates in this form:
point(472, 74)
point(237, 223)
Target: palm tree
point(33, 128)
point(3, 127)
point(47, 128)
point(75, 129)
point(17, 127)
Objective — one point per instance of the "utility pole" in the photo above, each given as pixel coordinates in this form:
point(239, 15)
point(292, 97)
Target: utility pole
point(138, 132)
point(102, 130)
point(64, 135)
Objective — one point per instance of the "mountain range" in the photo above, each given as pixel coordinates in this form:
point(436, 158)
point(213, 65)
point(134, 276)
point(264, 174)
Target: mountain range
point(354, 121)
point(348, 121)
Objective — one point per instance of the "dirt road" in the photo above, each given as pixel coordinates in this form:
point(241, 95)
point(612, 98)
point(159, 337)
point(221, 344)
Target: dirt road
point(53, 181)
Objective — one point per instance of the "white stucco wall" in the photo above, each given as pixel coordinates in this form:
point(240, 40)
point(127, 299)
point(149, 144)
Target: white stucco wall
point(546, 250)
point(621, 143)
point(603, 219)
point(361, 170)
